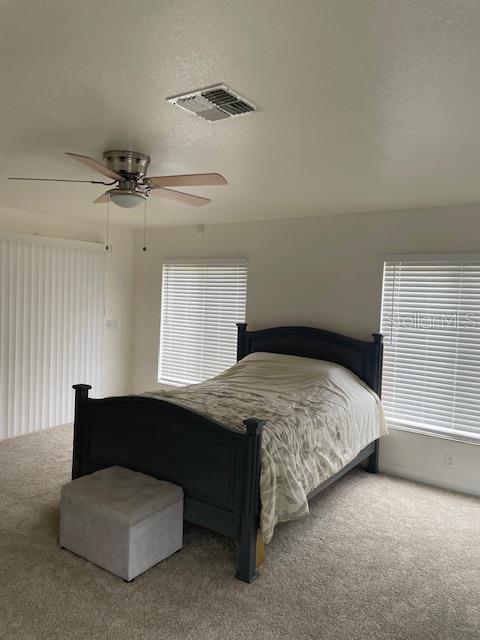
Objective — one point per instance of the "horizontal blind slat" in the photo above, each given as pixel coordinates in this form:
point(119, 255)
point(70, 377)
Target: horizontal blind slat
point(431, 321)
point(201, 302)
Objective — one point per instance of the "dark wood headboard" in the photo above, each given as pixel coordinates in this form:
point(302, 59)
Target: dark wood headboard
point(361, 357)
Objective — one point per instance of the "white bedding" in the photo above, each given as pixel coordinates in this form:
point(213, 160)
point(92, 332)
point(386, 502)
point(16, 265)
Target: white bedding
point(319, 416)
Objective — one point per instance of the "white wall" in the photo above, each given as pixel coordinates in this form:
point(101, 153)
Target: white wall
point(422, 457)
point(324, 272)
point(118, 284)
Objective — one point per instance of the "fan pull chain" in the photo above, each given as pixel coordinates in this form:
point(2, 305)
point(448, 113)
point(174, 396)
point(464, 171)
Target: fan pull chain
point(144, 249)
point(108, 247)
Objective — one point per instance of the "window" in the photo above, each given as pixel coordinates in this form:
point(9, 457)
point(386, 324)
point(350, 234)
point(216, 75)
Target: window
point(431, 327)
point(201, 302)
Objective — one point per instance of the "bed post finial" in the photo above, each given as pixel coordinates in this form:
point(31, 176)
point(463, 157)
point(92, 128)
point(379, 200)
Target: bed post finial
point(82, 387)
point(81, 393)
point(254, 426)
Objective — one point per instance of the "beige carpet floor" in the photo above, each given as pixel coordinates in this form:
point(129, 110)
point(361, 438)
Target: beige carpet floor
point(378, 558)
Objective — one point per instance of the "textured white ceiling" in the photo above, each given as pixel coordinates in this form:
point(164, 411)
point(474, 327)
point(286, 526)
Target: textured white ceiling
point(367, 104)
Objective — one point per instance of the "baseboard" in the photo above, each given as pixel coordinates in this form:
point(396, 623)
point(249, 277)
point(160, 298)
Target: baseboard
point(41, 430)
point(424, 478)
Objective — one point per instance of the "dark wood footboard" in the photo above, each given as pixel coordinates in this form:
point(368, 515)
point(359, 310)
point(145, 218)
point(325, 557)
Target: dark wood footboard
point(218, 468)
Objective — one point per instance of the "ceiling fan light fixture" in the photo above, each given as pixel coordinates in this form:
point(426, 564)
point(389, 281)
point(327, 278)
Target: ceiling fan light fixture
point(126, 198)
point(128, 170)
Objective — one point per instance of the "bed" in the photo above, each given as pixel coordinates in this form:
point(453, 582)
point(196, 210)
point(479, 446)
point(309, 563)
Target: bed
point(218, 467)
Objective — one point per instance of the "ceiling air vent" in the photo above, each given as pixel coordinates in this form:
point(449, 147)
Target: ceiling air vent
point(214, 103)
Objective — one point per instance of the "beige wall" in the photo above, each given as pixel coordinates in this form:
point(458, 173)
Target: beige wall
point(118, 284)
point(324, 272)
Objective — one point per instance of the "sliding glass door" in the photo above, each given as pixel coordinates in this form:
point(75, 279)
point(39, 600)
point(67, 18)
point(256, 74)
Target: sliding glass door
point(51, 328)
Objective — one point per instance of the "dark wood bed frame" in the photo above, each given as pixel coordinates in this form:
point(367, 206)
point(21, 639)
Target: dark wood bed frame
point(218, 468)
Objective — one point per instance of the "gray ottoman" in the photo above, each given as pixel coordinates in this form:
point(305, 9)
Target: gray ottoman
point(122, 520)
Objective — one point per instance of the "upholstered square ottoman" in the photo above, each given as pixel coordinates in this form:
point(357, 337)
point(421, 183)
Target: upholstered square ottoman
point(121, 520)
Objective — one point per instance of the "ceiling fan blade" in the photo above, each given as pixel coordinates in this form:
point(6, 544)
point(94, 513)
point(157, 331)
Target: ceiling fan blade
point(103, 198)
point(58, 180)
point(179, 196)
point(192, 180)
point(95, 165)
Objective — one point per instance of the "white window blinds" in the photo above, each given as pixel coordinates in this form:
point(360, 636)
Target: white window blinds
point(51, 329)
point(201, 302)
point(431, 327)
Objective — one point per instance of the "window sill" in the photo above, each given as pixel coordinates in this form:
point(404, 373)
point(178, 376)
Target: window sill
point(433, 433)
point(168, 384)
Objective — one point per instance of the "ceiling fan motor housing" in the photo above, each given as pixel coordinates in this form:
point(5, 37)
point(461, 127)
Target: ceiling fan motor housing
point(131, 164)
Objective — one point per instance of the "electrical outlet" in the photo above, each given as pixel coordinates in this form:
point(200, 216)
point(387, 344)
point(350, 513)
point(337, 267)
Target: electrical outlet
point(111, 323)
point(449, 460)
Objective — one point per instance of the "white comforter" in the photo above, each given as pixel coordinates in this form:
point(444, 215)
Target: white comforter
point(319, 416)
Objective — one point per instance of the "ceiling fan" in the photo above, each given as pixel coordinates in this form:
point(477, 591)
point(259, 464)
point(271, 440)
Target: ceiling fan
point(128, 169)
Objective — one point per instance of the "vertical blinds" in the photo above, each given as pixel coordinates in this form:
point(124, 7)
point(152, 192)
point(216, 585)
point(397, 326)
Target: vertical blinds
point(201, 302)
point(431, 325)
point(51, 330)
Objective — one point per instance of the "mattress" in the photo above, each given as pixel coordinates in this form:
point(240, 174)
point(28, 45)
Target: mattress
point(318, 414)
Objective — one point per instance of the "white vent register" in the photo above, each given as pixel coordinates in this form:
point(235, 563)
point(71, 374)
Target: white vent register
point(214, 103)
